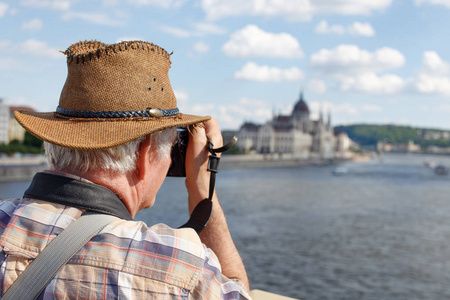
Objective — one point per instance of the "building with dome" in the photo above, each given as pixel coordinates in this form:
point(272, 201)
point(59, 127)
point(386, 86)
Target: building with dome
point(295, 134)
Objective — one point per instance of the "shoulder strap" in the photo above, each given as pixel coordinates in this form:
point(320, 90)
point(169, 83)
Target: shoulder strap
point(56, 254)
point(202, 212)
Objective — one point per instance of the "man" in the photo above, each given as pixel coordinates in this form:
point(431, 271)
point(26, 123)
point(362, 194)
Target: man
point(108, 146)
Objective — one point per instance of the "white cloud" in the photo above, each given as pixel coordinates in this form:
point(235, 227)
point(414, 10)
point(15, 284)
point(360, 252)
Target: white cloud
point(33, 25)
point(345, 108)
point(298, 10)
point(209, 28)
point(253, 109)
point(202, 109)
point(429, 84)
point(38, 48)
point(435, 2)
point(349, 59)
point(182, 100)
point(433, 64)
point(7, 63)
point(3, 9)
point(200, 29)
point(129, 38)
point(254, 72)
point(356, 29)
point(324, 28)
point(252, 41)
point(31, 47)
point(444, 107)
point(178, 32)
point(361, 29)
point(424, 108)
point(168, 4)
point(372, 83)
point(200, 47)
point(327, 106)
point(372, 108)
point(181, 95)
point(110, 3)
point(358, 70)
point(51, 4)
point(95, 18)
point(434, 76)
point(232, 115)
point(317, 86)
point(5, 45)
point(349, 7)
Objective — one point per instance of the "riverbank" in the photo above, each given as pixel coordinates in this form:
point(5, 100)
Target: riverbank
point(22, 160)
point(286, 160)
point(24, 167)
point(21, 168)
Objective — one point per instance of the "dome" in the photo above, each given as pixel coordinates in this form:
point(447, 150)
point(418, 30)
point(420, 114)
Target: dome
point(300, 107)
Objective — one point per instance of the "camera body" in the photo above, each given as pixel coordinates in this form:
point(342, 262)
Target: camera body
point(178, 154)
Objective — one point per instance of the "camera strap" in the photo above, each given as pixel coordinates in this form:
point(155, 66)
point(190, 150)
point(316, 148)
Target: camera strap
point(202, 212)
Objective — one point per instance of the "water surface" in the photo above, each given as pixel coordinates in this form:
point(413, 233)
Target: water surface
point(381, 231)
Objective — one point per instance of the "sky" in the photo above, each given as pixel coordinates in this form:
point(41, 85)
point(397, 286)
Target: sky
point(360, 61)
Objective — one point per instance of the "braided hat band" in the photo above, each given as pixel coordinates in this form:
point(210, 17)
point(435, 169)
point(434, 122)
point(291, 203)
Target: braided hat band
point(113, 94)
point(115, 114)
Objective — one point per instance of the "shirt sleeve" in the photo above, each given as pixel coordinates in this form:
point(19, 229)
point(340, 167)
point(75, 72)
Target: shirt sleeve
point(214, 285)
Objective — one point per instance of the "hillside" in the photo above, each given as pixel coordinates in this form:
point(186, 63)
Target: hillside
point(368, 135)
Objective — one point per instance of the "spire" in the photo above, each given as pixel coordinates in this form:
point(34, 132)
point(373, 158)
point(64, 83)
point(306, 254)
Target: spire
point(329, 119)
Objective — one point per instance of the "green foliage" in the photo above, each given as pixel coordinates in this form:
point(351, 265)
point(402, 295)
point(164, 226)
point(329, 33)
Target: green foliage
point(233, 150)
point(30, 144)
point(15, 142)
point(31, 140)
point(369, 135)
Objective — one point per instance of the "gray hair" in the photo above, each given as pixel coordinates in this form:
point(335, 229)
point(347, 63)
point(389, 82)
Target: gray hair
point(120, 159)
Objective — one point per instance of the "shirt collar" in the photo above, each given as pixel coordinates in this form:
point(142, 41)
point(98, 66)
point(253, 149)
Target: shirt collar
point(71, 190)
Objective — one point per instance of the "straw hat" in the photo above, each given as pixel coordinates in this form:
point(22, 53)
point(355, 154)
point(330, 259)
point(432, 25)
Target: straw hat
point(113, 94)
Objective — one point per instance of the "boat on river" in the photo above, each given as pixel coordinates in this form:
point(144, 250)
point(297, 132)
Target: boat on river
point(441, 170)
point(429, 164)
point(339, 171)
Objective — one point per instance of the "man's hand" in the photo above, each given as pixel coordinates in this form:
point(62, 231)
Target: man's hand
point(216, 234)
point(197, 176)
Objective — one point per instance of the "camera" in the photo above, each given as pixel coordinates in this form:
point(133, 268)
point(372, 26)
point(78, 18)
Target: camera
point(178, 154)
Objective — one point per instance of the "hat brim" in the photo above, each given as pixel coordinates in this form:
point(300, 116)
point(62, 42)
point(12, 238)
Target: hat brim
point(99, 133)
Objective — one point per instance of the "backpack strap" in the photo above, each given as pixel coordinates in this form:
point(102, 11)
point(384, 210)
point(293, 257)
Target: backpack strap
point(56, 254)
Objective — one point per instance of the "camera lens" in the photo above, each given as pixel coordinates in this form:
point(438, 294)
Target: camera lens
point(178, 154)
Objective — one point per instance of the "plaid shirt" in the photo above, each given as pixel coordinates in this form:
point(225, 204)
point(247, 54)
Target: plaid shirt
point(126, 260)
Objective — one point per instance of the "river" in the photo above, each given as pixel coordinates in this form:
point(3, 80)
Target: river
point(379, 231)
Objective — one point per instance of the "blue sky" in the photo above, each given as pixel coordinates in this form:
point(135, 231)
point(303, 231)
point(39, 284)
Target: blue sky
point(364, 61)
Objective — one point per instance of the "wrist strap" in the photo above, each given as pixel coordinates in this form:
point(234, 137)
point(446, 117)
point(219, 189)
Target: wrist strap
point(55, 255)
point(202, 212)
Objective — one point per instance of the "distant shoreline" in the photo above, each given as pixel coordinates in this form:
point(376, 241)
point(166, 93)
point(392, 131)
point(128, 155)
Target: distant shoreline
point(272, 160)
point(31, 160)
point(24, 168)
point(21, 168)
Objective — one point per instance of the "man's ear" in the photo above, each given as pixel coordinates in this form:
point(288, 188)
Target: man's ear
point(144, 159)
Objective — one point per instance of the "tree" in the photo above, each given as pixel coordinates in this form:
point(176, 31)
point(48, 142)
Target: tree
point(31, 140)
